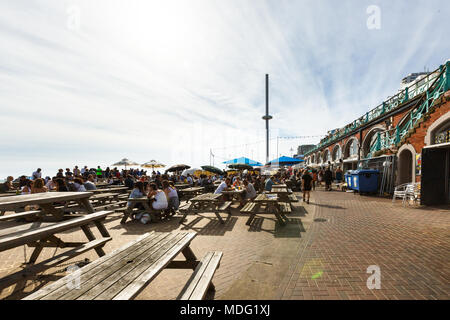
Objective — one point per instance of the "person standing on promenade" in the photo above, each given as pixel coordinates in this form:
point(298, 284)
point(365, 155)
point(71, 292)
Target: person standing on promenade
point(306, 185)
point(328, 177)
point(37, 174)
point(314, 176)
point(76, 171)
point(99, 172)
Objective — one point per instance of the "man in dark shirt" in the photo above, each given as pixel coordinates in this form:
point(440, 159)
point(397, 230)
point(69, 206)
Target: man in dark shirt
point(328, 177)
point(306, 179)
point(129, 182)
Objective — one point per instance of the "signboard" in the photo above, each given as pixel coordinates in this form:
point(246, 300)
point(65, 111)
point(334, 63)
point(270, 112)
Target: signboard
point(418, 164)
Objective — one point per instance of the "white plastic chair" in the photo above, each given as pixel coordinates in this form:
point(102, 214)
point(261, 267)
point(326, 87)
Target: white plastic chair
point(407, 192)
point(400, 192)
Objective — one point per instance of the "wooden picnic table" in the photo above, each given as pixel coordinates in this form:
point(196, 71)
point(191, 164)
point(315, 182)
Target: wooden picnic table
point(270, 202)
point(47, 202)
point(124, 273)
point(235, 194)
point(42, 234)
point(109, 190)
point(145, 202)
point(181, 186)
point(190, 192)
point(207, 202)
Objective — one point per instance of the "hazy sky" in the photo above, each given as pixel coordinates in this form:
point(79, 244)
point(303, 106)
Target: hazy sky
point(91, 82)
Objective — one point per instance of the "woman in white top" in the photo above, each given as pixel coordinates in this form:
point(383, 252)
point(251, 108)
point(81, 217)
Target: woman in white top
point(172, 195)
point(158, 196)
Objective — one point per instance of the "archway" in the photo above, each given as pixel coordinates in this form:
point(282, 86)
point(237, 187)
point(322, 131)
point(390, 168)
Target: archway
point(370, 139)
point(406, 165)
point(351, 148)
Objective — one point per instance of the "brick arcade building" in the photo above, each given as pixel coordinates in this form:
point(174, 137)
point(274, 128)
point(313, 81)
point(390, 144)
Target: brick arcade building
point(407, 138)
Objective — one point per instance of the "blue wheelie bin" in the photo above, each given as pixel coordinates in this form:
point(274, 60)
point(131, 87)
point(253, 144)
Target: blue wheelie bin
point(365, 180)
point(348, 179)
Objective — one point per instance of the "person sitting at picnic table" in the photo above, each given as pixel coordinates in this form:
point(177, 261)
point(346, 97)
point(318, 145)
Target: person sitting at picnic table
point(7, 186)
point(172, 196)
point(129, 182)
point(224, 186)
point(269, 184)
point(89, 183)
point(27, 188)
point(137, 192)
point(189, 179)
point(51, 185)
point(39, 186)
point(250, 192)
point(237, 182)
point(61, 185)
point(78, 185)
point(158, 197)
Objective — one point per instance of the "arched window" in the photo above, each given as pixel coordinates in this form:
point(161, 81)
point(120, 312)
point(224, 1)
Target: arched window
point(354, 148)
point(442, 135)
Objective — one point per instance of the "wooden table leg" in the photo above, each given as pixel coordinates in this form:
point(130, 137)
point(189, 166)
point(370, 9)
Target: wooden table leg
point(101, 228)
point(189, 255)
point(91, 237)
point(128, 212)
point(217, 213)
point(87, 205)
point(36, 252)
point(49, 209)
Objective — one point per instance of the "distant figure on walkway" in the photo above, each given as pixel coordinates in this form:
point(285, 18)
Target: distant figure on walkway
point(306, 185)
point(37, 174)
point(328, 177)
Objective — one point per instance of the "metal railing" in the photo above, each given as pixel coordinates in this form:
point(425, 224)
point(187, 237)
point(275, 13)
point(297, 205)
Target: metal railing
point(431, 87)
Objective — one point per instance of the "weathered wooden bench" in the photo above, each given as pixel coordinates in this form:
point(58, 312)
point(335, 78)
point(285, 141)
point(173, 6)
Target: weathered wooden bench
point(285, 207)
point(292, 198)
point(225, 207)
point(42, 234)
point(125, 272)
point(201, 280)
point(20, 215)
point(249, 207)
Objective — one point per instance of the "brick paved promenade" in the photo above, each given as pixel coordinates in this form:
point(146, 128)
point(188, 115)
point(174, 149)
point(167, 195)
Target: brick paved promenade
point(323, 252)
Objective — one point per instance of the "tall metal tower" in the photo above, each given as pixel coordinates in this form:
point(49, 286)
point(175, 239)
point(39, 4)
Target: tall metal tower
point(267, 117)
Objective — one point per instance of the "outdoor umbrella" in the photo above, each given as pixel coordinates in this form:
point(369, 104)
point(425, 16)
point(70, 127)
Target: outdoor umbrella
point(243, 160)
point(178, 167)
point(153, 164)
point(125, 162)
point(212, 169)
point(191, 171)
point(241, 166)
point(285, 161)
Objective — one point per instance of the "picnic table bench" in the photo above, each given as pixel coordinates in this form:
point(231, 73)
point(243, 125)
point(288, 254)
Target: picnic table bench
point(40, 235)
point(204, 203)
point(48, 202)
point(125, 272)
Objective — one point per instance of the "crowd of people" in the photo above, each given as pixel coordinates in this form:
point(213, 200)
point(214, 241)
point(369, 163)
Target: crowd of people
point(160, 188)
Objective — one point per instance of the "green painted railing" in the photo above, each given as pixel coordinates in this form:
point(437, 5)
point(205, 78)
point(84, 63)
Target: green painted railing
point(433, 85)
point(393, 137)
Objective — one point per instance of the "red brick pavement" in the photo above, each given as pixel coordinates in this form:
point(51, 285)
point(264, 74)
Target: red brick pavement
point(304, 260)
point(410, 245)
